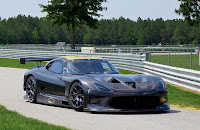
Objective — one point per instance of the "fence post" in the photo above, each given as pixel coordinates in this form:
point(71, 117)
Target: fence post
point(191, 60)
point(168, 58)
point(148, 56)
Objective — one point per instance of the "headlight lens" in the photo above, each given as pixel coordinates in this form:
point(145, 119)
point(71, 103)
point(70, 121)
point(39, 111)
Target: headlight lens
point(160, 85)
point(102, 88)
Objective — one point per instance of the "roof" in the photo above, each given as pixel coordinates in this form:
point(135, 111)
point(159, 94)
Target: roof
point(80, 57)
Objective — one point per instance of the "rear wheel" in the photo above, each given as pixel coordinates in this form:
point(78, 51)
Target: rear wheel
point(31, 89)
point(76, 96)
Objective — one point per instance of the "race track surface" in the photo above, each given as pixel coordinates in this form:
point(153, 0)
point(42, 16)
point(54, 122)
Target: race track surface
point(12, 97)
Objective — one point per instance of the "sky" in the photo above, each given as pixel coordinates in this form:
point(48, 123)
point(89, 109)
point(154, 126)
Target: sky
point(131, 9)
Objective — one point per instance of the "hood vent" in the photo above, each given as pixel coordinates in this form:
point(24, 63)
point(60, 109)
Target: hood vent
point(132, 84)
point(113, 80)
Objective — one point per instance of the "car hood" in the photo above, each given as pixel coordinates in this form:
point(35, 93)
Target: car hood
point(123, 83)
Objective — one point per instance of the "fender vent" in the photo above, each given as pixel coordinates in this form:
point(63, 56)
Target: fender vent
point(132, 84)
point(113, 80)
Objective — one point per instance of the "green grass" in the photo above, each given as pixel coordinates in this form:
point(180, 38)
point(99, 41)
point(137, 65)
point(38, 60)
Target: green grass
point(126, 72)
point(183, 98)
point(10, 120)
point(3, 46)
point(182, 61)
point(14, 63)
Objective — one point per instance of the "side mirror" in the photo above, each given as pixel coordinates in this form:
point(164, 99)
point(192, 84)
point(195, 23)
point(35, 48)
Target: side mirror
point(65, 70)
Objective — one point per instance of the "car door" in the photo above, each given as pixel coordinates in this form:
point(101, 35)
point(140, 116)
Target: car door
point(51, 79)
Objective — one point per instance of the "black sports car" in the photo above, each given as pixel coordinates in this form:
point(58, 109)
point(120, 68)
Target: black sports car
point(92, 84)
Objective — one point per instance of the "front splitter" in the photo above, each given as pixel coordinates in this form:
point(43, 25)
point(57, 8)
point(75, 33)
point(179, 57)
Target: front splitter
point(98, 108)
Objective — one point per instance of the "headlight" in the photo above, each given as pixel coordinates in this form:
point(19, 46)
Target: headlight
point(102, 88)
point(160, 85)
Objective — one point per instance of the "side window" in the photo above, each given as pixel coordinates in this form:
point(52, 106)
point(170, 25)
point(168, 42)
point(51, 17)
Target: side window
point(55, 67)
point(105, 66)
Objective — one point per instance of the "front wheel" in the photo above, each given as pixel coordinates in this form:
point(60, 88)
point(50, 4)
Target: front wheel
point(31, 89)
point(76, 96)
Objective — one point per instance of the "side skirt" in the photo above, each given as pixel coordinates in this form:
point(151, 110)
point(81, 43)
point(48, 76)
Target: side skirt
point(49, 99)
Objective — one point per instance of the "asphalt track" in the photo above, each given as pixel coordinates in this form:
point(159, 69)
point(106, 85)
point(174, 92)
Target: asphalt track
point(11, 96)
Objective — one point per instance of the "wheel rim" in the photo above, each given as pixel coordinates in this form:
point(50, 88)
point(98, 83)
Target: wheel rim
point(77, 96)
point(30, 89)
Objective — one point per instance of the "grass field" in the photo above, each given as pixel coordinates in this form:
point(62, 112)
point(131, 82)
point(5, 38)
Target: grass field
point(177, 96)
point(126, 72)
point(181, 97)
point(182, 61)
point(3, 46)
point(10, 120)
point(14, 63)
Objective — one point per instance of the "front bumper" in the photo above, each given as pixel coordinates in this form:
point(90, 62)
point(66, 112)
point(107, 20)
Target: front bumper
point(127, 102)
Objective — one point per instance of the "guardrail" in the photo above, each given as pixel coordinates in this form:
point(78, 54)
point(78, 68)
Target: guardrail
point(133, 62)
point(179, 76)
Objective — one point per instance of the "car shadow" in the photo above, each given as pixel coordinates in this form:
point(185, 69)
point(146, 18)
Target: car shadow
point(137, 113)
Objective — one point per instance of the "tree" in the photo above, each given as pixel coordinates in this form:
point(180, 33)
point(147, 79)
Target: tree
point(190, 9)
point(74, 13)
point(181, 33)
point(35, 36)
point(26, 30)
point(167, 32)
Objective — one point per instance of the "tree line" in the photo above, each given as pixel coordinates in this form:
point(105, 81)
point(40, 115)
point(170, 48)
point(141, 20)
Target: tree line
point(34, 30)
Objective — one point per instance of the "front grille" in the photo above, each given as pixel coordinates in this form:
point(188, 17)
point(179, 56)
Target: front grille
point(135, 102)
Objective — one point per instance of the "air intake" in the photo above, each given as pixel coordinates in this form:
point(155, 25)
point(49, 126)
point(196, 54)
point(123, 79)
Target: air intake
point(132, 84)
point(113, 80)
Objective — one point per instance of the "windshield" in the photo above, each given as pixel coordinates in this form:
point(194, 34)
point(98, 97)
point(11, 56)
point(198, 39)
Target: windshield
point(90, 67)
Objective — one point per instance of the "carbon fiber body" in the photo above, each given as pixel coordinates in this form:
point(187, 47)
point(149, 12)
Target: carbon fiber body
point(102, 92)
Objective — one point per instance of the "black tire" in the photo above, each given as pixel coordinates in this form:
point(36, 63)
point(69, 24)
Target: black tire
point(76, 97)
point(31, 89)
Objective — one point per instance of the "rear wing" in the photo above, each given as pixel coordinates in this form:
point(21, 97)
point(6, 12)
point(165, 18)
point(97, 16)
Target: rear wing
point(24, 60)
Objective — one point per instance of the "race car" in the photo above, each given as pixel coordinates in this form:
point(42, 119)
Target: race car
point(92, 84)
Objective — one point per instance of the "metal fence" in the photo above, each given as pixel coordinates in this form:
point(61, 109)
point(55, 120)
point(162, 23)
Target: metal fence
point(189, 60)
point(133, 62)
point(104, 48)
point(179, 76)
